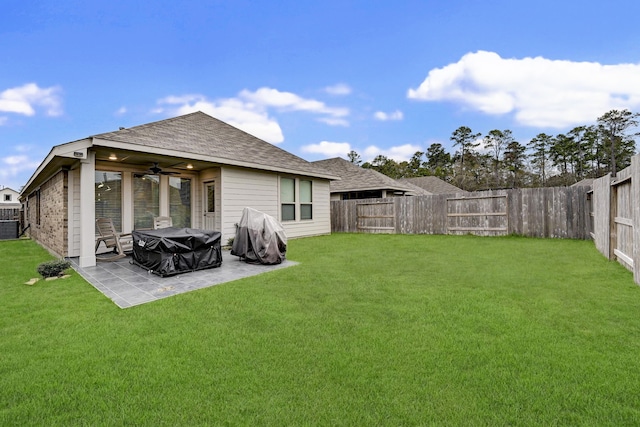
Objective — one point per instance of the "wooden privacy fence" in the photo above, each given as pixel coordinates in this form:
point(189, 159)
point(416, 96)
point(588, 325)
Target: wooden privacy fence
point(478, 214)
point(537, 212)
point(376, 217)
point(616, 217)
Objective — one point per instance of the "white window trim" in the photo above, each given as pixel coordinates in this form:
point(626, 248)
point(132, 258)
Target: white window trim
point(297, 203)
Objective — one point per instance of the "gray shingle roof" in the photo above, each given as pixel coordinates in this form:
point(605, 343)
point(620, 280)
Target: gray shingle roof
point(432, 184)
point(201, 134)
point(355, 178)
point(587, 182)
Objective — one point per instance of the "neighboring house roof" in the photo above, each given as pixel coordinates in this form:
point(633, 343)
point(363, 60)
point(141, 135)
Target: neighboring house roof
point(195, 136)
point(356, 178)
point(415, 190)
point(432, 184)
point(587, 182)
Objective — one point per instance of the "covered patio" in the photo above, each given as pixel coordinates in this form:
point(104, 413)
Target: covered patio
point(128, 285)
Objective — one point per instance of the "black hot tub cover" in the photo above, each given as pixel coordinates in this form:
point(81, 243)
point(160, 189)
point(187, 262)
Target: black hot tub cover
point(259, 238)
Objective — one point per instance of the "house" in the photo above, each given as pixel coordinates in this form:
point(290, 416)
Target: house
point(432, 185)
point(9, 204)
point(9, 198)
point(194, 168)
point(361, 183)
point(586, 182)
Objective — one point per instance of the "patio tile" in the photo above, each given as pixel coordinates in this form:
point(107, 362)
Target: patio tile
point(129, 285)
point(114, 282)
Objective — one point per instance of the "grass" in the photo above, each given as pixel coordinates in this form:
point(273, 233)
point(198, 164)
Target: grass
point(367, 330)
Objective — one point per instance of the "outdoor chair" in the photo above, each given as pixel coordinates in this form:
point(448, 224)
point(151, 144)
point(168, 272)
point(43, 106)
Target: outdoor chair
point(162, 222)
point(119, 242)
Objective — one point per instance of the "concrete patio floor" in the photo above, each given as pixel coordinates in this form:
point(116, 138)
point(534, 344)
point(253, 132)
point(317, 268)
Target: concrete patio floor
point(128, 285)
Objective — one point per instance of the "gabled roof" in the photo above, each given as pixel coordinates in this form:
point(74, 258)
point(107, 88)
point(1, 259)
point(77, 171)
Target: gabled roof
point(432, 184)
point(191, 137)
point(200, 134)
point(355, 178)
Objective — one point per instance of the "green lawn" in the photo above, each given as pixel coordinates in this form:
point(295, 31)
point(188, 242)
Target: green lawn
point(367, 330)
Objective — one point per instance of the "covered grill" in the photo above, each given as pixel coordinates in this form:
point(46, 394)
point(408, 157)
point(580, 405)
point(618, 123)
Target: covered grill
point(259, 238)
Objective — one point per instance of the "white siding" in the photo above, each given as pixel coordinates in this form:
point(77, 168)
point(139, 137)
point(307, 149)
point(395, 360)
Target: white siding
point(243, 188)
point(260, 190)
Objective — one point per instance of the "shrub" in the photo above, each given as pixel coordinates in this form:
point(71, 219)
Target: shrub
point(53, 268)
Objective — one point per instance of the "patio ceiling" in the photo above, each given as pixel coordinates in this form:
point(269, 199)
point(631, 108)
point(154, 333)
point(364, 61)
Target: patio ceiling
point(145, 160)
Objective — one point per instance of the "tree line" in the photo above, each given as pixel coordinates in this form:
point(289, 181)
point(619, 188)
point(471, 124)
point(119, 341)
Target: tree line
point(588, 151)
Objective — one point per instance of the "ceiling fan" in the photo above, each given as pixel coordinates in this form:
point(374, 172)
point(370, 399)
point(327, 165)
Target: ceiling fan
point(157, 170)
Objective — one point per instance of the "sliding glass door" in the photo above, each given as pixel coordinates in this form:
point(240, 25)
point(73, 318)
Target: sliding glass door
point(108, 194)
point(146, 200)
point(180, 201)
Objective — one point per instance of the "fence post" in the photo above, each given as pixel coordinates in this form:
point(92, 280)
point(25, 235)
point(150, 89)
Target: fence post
point(635, 203)
point(601, 203)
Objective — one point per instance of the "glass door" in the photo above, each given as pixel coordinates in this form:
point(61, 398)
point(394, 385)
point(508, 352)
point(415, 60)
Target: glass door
point(210, 205)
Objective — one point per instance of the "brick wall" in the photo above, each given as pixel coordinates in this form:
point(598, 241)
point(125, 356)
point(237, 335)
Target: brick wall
point(52, 230)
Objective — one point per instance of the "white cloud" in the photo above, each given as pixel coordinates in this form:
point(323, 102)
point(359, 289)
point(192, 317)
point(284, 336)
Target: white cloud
point(339, 89)
point(249, 111)
point(382, 116)
point(3, 120)
point(24, 100)
point(13, 166)
point(329, 149)
point(120, 111)
point(539, 92)
point(334, 121)
point(398, 153)
point(287, 101)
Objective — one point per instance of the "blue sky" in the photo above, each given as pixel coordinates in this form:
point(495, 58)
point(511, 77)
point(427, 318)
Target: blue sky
point(316, 78)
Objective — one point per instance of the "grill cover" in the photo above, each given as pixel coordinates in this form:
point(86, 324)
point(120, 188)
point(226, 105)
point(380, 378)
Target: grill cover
point(169, 251)
point(260, 238)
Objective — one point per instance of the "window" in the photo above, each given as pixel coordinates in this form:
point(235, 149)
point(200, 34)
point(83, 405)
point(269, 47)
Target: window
point(180, 201)
point(146, 200)
point(371, 194)
point(211, 197)
point(306, 211)
point(38, 206)
point(7, 197)
point(296, 200)
point(288, 199)
point(108, 193)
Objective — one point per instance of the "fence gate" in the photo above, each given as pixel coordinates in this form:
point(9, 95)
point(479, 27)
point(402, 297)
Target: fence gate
point(482, 215)
point(376, 217)
point(622, 227)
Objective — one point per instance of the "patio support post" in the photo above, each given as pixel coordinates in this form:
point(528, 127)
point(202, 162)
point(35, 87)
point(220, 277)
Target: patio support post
point(163, 198)
point(87, 211)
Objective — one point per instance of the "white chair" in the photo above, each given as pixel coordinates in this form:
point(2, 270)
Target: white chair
point(119, 242)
